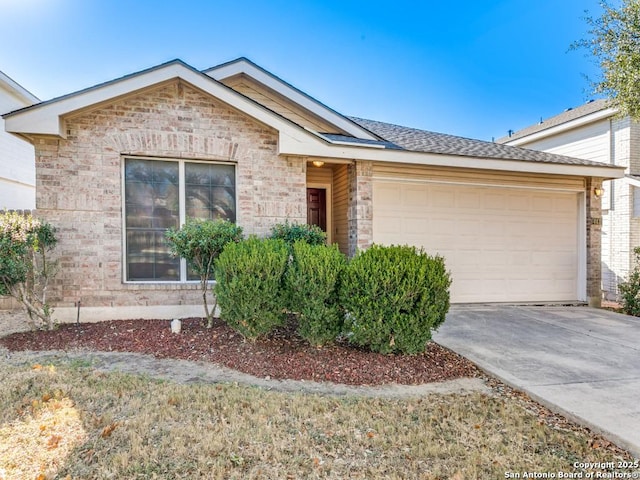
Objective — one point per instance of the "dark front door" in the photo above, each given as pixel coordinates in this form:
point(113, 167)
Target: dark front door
point(317, 207)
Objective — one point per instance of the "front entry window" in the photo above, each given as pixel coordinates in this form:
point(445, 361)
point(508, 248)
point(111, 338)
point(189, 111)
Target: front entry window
point(161, 194)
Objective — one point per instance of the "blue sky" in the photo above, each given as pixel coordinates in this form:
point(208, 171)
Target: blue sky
point(469, 68)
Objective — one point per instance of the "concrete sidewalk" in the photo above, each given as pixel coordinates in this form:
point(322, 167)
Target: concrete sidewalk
point(581, 362)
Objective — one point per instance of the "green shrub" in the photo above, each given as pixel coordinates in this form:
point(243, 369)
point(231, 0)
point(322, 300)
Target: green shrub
point(394, 297)
point(25, 266)
point(630, 288)
point(312, 282)
point(249, 288)
point(200, 242)
point(293, 232)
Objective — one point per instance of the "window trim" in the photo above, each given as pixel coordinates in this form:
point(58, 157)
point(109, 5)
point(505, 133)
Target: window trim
point(182, 196)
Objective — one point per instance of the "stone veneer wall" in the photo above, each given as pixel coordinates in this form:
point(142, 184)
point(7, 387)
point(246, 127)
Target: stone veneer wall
point(79, 184)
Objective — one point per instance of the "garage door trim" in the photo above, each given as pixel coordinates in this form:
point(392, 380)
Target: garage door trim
point(557, 188)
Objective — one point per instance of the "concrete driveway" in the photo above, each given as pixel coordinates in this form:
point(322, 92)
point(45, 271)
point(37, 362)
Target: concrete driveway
point(581, 362)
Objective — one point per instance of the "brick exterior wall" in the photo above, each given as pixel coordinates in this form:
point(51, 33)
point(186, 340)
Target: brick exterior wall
point(360, 209)
point(594, 247)
point(79, 184)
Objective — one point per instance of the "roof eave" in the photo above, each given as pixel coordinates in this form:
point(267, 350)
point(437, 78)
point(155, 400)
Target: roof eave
point(318, 148)
point(24, 95)
point(563, 127)
point(47, 118)
point(247, 67)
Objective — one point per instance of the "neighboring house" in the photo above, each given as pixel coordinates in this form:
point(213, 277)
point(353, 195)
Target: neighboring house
point(17, 161)
point(118, 163)
point(593, 131)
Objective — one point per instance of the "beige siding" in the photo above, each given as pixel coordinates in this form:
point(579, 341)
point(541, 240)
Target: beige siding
point(340, 208)
point(319, 175)
point(279, 104)
point(323, 177)
point(17, 167)
point(476, 177)
point(591, 142)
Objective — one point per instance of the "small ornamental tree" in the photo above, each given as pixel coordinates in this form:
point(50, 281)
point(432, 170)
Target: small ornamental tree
point(630, 288)
point(25, 267)
point(613, 42)
point(201, 242)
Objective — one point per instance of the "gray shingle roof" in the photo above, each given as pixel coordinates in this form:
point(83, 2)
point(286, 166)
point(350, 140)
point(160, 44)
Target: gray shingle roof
point(564, 117)
point(430, 142)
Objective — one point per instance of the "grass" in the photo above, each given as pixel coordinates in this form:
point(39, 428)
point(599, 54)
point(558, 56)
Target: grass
point(70, 421)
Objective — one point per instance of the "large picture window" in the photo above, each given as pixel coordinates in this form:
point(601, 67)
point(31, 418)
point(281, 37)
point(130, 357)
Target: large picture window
point(160, 194)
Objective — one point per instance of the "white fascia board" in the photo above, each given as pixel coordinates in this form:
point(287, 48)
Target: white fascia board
point(48, 118)
point(290, 92)
point(24, 95)
point(633, 181)
point(563, 127)
point(293, 146)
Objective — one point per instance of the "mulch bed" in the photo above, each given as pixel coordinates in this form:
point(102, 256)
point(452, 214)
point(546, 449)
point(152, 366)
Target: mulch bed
point(281, 355)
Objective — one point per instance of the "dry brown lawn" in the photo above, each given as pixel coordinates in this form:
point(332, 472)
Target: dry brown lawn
point(70, 421)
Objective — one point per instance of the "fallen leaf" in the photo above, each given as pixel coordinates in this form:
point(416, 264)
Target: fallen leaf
point(108, 430)
point(53, 442)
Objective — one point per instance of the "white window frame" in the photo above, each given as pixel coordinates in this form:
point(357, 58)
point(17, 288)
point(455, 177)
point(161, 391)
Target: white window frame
point(182, 196)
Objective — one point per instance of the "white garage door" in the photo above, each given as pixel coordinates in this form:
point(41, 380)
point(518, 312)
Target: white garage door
point(500, 244)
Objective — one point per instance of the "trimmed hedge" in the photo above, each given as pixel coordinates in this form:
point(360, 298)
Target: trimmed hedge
point(312, 282)
point(293, 232)
point(394, 297)
point(249, 285)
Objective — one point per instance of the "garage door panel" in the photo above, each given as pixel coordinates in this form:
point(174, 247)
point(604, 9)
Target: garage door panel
point(541, 204)
point(494, 201)
point(499, 244)
point(415, 198)
point(442, 198)
point(517, 203)
point(468, 200)
point(389, 194)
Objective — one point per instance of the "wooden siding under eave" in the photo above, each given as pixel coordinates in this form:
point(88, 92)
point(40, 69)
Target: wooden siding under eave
point(275, 102)
point(336, 176)
point(340, 208)
point(408, 172)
